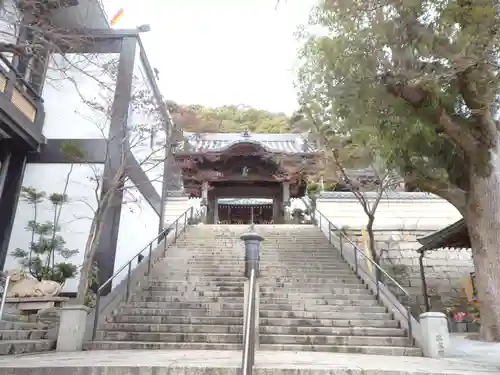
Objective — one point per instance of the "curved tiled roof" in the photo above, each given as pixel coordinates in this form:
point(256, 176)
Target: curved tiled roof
point(214, 142)
point(245, 201)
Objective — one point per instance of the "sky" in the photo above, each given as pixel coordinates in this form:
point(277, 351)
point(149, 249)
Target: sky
point(216, 52)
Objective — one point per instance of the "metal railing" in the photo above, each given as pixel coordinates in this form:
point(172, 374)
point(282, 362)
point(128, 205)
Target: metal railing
point(248, 359)
point(379, 271)
point(5, 280)
point(183, 220)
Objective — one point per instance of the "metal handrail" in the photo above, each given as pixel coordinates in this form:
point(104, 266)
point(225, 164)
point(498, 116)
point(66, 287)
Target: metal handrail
point(160, 237)
point(379, 270)
point(248, 359)
point(4, 295)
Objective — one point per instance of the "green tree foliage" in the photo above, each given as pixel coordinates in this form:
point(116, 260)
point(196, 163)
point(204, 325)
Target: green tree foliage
point(228, 118)
point(46, 243)
point(418, 81)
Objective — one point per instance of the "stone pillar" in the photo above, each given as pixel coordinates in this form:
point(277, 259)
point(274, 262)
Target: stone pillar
point(435, 334)
point(72, 326)
point(204, 192)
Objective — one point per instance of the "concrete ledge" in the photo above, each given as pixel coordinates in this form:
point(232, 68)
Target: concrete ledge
point(203, 362)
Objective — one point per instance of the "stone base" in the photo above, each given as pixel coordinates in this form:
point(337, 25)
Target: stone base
point(31, 305)
point(435, 334)
point(72, 328)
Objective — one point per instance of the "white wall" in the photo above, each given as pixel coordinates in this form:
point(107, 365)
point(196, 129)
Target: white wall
point(397, 210)
point(146, 125)
point(138, 226)
point(75, 216)
point(74, 82)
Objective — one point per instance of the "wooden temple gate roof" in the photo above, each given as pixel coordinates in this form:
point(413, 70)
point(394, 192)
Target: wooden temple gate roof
point(286, 143)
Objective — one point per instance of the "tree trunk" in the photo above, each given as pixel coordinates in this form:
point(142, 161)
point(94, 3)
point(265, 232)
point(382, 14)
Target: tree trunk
point(483, 224)
point(371, 238)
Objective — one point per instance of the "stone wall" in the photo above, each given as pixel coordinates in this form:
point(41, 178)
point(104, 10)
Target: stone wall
point(444, 269)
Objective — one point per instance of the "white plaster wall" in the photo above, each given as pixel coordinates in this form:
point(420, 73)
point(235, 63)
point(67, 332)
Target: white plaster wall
point(74, 83)
point(76, 215)
point(397, 210)
point(146, 125)
point(138, 227)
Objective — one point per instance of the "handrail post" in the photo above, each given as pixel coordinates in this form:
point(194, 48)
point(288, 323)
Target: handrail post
point(355, 259)
point(329, 232)
point(96, 313)
point(127, 294)
point(341, 246)
point(4, 294)
point(149, 257)
point(377, 281)
point(410, 328)
point(252, 256)
point(176, 230)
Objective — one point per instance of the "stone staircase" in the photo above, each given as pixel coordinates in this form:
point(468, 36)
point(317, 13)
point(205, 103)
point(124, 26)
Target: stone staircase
point(19, 335)
point(310, 300)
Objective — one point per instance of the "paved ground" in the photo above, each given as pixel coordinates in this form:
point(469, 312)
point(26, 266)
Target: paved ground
point(212, 362)
point(474, 351)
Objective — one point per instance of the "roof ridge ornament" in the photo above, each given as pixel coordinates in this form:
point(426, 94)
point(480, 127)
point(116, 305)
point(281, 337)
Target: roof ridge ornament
point(246, 132)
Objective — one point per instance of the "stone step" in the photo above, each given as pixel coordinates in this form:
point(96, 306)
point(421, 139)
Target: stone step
point(193, 287)
point(263, 313)
point(174, 328)
point(152, 319)
point(137, 345)
point(215, 338)
point(313, 295)
point(276, 304)
point(125, 310)
point(191, 294)
point(22, 334)
point(323, 315)
point(25, 346)
point(329, 289)
point(217, 306)
point(187, 305)
point(218, 320)
point(182, 299)
point(309, 339)
point(280, 330)
point(375, 350)
point(10, 325)
point(326, 308)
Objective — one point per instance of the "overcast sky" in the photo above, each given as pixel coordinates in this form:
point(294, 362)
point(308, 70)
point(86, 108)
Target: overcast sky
point(215, 52)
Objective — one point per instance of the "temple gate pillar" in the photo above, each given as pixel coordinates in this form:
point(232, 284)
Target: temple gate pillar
point(286, 201)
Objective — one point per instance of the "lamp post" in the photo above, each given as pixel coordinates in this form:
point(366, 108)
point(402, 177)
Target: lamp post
point(252, 256)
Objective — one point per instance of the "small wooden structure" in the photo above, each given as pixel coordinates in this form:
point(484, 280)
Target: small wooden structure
point(245, 211)
point(246, 165)
point(453, 236)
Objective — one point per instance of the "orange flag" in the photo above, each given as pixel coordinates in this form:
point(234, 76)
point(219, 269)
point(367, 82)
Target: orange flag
point(117, 17)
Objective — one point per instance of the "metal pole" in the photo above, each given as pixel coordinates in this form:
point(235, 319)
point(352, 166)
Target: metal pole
point(329, 232)
point(410, 328)
point(96, 314)
point(149, 258)
point(4, 295)
point(355, 259)
point(128, 280)
point(377, 280)
point(247, 360)
point(341, 246)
